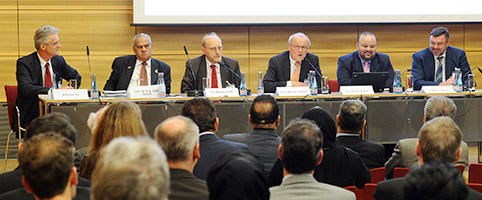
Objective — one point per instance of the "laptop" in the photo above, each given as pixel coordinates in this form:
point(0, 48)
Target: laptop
point(375, 79)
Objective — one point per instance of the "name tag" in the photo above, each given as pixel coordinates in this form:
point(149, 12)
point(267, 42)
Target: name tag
point(437, 89)
point(356, 90)
point(149, 91)
point(293, 91)
point(221, 92)
point(67, 94)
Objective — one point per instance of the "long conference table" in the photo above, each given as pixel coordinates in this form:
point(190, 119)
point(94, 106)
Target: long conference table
point(390, 116)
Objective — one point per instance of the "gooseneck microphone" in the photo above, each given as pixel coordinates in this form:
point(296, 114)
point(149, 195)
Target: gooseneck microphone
point(224, 65)
point(190, 64)
point(88, 59)
point(476, 67)
point(312, 66)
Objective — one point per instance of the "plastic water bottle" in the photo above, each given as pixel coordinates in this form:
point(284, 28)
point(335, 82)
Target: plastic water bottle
point(397, 82)
point(458, 84)
point(260, 86)
point(243, 89)
point(94, 91)
point(313, 84)
point(162, 84)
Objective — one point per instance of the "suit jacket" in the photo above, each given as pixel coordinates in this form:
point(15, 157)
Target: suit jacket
point(199, 66)
point(262, 143)
point(30, 83)
point(304, 186)
point(278, 73)
point(211, 148)
point(372, 153)
point(423, 66)
point(404, 156)
point(82, 193)
point(123, 67)
point(185, 186)
point(350, 63)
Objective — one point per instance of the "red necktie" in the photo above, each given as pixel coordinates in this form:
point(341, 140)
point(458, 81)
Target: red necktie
point(47, 77)
point(214, 77)
point(143, 76)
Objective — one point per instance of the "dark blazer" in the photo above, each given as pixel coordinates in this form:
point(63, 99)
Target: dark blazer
point(211, 148)
point(423, 66)
point(184, 186)
point(350, 63)
point(82, 193)
point(199, 66)
point(372, 153)
point(30, 83)
point(262, 143)
point(123, 67)
point(278, 72)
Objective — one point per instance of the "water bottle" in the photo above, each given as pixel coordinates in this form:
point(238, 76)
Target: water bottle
point(94, 91)
point(397, 82)
point(162, 84)
point(458, 85)
point(260, 85)
point(243, 89)
point(313, 84)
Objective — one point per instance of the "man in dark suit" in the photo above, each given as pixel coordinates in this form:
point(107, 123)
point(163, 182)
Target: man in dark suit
point(291, 68)
point(438, 141)
point(139, 69)
point(203, 113)
point(178, 137)
point(351, 125)
point(36, 72)
point(263, 141)
point(212, 65)
point(435, 64)
point(365, 59)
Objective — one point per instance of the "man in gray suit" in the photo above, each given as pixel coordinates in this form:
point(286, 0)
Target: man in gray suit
point(404, 152)
point(263, 140)
point(301, 151)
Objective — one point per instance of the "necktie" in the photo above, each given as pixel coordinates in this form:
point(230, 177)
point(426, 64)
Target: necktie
point(439, 70)
point(366, 69)
point(47, 77)
point(143, 76)
point(296, 73)
point(214, 77)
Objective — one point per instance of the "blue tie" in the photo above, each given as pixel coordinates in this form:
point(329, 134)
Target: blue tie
point(438, 73)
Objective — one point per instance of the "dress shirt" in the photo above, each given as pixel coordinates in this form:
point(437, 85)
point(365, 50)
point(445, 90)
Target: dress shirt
point(443, 65)
point(209, 72)
point(137, 72)
point(292, 70)
point(42, 66)
point(363, 62)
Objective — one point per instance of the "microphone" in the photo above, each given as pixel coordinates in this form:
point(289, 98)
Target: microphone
point(224, 65)
point(312, 66)
point(88, 58)
point(407, 70)
point(190, 64)
point(476, 67)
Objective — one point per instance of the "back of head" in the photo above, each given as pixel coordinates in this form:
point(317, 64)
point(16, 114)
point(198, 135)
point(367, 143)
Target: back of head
point(435, 181)
point(202, 112)
point(53, 122)
point(325, 123)
point(131, 169)
point(46, 161)
point(177, 136)
point(439, 106)
point(237, 175)
point(439, 140)
point(301, 144)
point(264, 110)
point(352, 115)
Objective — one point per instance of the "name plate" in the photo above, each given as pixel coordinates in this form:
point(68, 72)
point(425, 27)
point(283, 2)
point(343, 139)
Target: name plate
point(221, 92)
point(67, 94)
point(356, 89)
point(293, 91)
point(148, 91)
point(437, 89)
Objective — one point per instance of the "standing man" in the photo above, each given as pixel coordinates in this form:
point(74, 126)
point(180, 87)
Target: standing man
point(435, 64)
point(291, 68)
point(35, 73)
point(139, 69)
point(212, 65)
point(365, 59)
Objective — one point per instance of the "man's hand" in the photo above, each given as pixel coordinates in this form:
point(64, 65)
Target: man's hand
point(298, 84)
point(448, 82)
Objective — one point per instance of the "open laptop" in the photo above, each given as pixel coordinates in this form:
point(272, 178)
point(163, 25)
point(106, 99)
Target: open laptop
point(375, 79)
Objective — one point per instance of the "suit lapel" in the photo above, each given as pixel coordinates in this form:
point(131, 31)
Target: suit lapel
point(131, 65)
point(201, 73)
point(358, 65)
point(155, 69)
point(374, 64)
point(449, 63)
point(286, 68)
point(431, 64)
point(38, 69)
point(224, 74)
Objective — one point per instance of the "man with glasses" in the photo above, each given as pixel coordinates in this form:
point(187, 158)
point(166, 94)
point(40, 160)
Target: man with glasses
point(435, 64)
point(291, 68)
point(218, 69)
point(38, 72)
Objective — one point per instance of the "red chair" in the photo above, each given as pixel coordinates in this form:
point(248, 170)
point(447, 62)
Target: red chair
point(378, 174)
point(475, 186)
point(475, 173)
point(400, 172)
point(11, 93)
point(461, 168)
point(369, 190)
point(358, 192)
point(333, 84)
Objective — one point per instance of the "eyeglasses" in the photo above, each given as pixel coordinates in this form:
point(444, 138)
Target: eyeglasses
point(216, 48)
point(54, 44)
point(302, 48)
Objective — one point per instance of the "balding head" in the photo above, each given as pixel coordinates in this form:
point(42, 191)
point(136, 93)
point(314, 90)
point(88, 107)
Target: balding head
point(439, 106)
point(178, 137)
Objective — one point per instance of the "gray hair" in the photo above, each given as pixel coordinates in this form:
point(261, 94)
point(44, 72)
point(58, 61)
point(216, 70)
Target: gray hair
point(42, 35)
point(365, 33)
point(131, 168)
point(439, 106)
point(212, 34)
point(177, 141)
point(299, 34)
point(141, 35)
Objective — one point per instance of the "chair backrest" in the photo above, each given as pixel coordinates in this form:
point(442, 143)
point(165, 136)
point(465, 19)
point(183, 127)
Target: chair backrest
point(358, 192)
point(333, 84)
point(378, 174)
point(400, 172)
point(461, 168)
point(11, 93)
point(369, 190)
point(475, 173)
point(475, 186)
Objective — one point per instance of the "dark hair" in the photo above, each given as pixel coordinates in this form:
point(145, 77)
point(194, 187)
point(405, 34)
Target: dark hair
point(301, 144)
point(46, 161)
point(352, 115)
point(440, 31)
point(202, 112)
point(264, 110)
point(53, 122)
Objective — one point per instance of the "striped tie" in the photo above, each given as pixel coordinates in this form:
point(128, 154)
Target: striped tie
point(438, 73)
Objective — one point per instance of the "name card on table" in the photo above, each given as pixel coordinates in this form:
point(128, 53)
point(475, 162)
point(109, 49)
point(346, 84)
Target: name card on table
point(149, 91)
point(293, 91)
point(356, 90)
point(66, 94)
point(437, 89)
point(221, 92)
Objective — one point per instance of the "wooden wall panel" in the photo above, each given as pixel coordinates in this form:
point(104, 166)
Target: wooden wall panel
point(9, 51)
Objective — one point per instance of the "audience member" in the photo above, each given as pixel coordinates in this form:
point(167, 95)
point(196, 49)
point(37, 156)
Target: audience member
point(92, 124)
